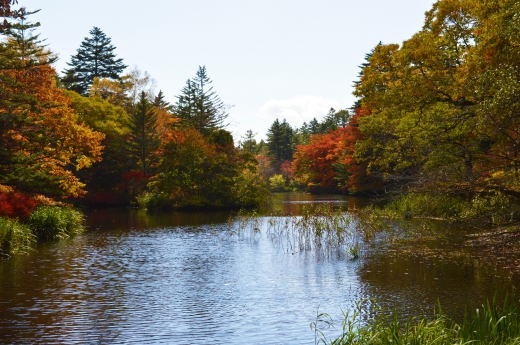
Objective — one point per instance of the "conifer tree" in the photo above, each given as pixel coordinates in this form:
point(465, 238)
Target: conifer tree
point(145, 140)
point(160, 102)
point(95, 58)
point(199, 106)
point(280, 140)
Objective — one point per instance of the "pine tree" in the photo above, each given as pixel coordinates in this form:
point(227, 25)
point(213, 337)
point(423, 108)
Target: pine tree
point(145, 140)
point(199, 106)
point(248, 142)
point(280, 140)
point(26, 49)
point(7, 12)
point(160, 102)
point(357, 103)
point(95, 58)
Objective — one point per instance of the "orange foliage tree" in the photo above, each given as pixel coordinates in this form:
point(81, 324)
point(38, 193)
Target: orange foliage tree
point(41, 141)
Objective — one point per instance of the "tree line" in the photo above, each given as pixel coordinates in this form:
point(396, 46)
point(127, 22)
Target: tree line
point(98, 136)
point(436, 115)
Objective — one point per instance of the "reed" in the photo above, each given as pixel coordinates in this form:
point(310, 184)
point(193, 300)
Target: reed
point(15, 237)
point(491, 324)
point(320, 229)
point(52, 222)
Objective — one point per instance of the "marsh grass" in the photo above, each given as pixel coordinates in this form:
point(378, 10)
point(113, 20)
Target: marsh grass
point(487, 209)
point(15, 237)
point(52, 222)
point(492, 323)
point(320, 229)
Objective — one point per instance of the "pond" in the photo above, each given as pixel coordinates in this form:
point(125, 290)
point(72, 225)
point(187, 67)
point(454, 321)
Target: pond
point(188, 278)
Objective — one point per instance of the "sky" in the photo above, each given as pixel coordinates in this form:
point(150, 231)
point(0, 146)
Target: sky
point(268, 59)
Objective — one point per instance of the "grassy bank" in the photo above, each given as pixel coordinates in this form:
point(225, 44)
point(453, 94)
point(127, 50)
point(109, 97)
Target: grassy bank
point(492, 209)
point(491, 323)
point(44, 223)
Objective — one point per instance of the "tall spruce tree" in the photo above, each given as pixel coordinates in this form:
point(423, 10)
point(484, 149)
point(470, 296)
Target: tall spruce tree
point(145, 140)
point(357, 83)
point(199, 106)
point(95, 58)
point(280, 140)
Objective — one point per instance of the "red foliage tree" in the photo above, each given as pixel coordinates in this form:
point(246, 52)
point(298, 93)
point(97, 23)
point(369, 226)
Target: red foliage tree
point(359, 179)
point(328, 162)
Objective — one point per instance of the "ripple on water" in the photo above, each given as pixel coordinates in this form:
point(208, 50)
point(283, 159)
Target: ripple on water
point(186, 286)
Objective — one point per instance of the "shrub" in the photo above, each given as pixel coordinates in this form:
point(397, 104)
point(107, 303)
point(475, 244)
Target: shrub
point(16, 205)
point(277, 183)
point(249, 190)
point(14, 237)
point(50, 222)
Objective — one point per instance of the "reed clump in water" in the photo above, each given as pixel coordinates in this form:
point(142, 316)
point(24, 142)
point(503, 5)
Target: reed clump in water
point(492, 323)
point(319, 229)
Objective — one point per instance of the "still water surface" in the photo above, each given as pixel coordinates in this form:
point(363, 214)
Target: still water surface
point(183, 278)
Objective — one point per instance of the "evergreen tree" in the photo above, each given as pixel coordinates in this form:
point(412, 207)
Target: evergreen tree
point(25, 48)
point(95, 58)
point(280, 140)
point(248, 142)
point(199, 106)
point(342, 118)
point(7, 12)
point(357, 83)
point(314, 126)
point(329, 122)
point(160, 102)
point(145, 140)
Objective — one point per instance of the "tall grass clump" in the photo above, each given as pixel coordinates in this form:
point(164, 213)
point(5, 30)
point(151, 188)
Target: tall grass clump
point(15, 237)
point(52, 222)
point(491, 324)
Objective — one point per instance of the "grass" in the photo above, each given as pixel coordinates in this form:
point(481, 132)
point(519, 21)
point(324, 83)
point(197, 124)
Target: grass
point(15, 237)
point(492, 209)
point(492, 323)
point(52, 222)
point(319, 229)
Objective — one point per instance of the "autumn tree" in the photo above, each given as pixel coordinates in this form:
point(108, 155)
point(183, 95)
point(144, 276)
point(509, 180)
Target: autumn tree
point(444, 104)
point(327, 163)
point(95, 58)
point(41, 140)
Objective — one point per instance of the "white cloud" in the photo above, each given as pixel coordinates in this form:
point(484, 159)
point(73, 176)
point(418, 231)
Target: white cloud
point(298, 109)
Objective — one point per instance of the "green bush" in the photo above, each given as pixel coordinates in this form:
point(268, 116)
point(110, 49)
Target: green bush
point(15, 237)
point(249, 190)
point(50, 222)
point(277, 183)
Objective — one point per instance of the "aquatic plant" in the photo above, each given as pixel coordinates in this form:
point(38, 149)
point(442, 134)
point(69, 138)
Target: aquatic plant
point(50, 222)
point(15, 237)
point(492, 323)
point(319, 229)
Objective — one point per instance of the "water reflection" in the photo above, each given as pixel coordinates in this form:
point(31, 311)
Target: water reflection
point(186, 278)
